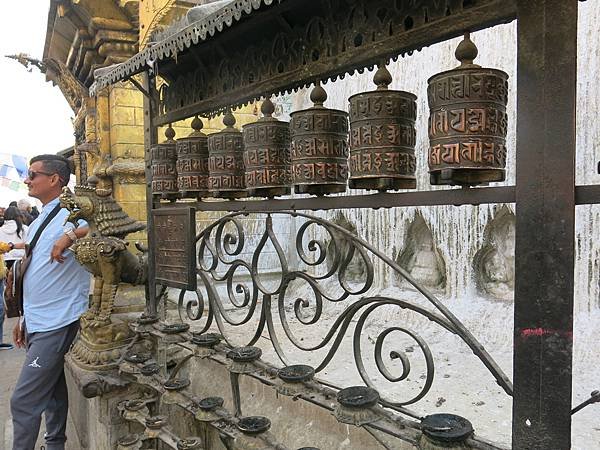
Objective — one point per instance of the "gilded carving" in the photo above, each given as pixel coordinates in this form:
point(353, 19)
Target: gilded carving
point(126, 171)
point(104, 254)
point(72, 89)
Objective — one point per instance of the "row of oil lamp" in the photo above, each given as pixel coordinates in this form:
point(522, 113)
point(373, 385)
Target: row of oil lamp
point(319, 152)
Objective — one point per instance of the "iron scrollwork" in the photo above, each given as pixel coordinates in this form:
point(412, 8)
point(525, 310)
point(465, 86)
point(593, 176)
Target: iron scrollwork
point(324, 252)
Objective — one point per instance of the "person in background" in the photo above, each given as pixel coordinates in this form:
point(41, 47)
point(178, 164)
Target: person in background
point(14, 232)
point(25, 208)
point(34, 212)
point(4, 248)
point(55, 295)
point(2, 209)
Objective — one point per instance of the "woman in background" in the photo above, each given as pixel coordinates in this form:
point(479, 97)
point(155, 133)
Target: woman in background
point(12, 231)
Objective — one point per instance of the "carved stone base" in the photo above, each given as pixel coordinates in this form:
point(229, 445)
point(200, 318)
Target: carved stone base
point(94, 384)
point(99, 349)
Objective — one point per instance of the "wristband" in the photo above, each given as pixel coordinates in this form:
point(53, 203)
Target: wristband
point(71, 235)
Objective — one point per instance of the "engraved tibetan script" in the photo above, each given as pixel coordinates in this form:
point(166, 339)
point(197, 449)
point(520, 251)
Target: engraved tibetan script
point(174, 255)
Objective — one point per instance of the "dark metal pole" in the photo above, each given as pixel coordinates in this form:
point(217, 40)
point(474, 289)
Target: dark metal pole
point(150, 138)
point(545, 195)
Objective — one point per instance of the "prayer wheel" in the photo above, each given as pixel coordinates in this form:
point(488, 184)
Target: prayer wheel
point(164, 166)
point(319, 147)
point(382, 137)
point(467, 122)
point(267, 155)
point(226, 161)
point(192, 162)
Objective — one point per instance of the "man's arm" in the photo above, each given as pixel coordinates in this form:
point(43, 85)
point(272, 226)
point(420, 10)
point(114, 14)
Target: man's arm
point(19, 335)
point(65, 241)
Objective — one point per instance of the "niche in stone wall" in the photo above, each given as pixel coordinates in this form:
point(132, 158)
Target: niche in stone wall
point(494, 262)
point(356, 268)
point(421, 257)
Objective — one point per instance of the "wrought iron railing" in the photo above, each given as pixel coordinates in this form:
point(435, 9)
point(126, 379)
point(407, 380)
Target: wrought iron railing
point(324, 251)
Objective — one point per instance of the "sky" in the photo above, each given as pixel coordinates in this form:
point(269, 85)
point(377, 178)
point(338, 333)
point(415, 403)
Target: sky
point(34, 117)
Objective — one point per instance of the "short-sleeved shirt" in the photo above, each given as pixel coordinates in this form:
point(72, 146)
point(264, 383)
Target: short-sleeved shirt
point(54, 294)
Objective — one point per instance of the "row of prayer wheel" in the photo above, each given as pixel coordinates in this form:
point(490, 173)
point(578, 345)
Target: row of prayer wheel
point(319, 152)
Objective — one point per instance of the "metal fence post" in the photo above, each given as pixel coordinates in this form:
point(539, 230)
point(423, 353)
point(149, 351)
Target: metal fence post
point(545, 240)
point(150, 138)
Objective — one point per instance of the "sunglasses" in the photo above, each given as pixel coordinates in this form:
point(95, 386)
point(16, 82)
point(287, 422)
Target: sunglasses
point(31, 174)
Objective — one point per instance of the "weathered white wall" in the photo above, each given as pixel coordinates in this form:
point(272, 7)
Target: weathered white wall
point(459, 231)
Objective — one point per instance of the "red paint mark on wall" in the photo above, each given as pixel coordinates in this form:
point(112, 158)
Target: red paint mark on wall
point(527, 332)
point(537, 332)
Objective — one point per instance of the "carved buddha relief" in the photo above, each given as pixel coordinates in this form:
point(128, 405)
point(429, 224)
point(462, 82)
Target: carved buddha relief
point(421, 257)
point(494, 262)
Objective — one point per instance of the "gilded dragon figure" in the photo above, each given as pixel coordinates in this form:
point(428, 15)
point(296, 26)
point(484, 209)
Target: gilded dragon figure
point(104, 251)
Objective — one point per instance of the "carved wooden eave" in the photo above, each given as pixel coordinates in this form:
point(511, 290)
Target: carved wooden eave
point(155, 17)
point(252, 48)
point(83, 35)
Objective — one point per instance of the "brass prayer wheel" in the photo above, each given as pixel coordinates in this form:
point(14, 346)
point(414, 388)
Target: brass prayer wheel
point(267, 155)
point(319, 147)
point(467, 122)
point(192, 162)
point(164, 166)
point(226, 161)
point(382, 137)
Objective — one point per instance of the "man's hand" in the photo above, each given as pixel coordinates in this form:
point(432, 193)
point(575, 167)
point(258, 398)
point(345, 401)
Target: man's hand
point(61, 244)
point(19, 335)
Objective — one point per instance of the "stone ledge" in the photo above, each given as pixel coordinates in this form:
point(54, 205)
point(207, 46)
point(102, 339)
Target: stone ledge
point(94, 384)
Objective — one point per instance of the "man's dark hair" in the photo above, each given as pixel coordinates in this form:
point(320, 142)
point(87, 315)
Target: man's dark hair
point(55, 164)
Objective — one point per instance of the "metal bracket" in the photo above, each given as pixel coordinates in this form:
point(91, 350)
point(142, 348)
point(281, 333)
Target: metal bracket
point(139, 87)
point(145, 93)
point(594, 398)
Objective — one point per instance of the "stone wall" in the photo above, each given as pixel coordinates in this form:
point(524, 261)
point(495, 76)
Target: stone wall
point(297, 421)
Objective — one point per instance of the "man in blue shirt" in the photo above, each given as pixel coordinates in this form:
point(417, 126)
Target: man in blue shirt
point(55, 295)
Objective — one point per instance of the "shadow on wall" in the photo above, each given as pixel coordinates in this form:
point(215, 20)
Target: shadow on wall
point(421, 257)
point(494, 262)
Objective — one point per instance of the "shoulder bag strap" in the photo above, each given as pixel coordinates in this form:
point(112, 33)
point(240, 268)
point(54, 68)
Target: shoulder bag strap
point(36, 236)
